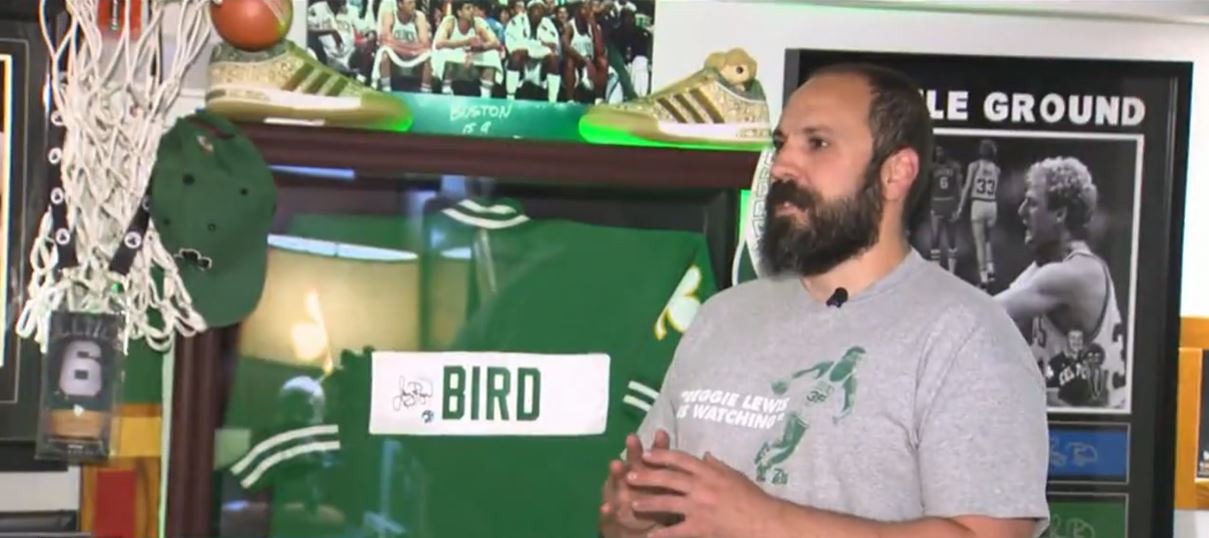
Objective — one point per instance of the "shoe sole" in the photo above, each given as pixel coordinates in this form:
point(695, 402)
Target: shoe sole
point(622, 128)
point(255, 104)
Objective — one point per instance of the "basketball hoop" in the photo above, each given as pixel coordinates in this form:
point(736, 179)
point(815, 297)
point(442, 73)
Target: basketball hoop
point(110, 92)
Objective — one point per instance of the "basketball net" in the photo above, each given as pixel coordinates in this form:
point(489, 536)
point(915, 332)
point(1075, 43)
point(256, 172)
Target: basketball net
point(111, 89)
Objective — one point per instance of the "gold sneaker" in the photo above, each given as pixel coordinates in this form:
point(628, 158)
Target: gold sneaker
point(722, 105)
point(286, 83)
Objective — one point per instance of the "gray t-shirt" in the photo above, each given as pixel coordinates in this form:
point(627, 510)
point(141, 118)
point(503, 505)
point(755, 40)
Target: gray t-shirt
point(917, 397)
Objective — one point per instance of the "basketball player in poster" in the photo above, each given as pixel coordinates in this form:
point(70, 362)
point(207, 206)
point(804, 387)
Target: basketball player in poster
point(981, 188)
point(1068, 291)
point(533, 50)
point(406, 45)
point(946, 184)
point(586, 63)
point(465, 48)
point(342, 39)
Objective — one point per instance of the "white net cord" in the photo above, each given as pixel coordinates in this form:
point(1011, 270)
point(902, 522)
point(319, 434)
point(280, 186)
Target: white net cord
point(113, 100)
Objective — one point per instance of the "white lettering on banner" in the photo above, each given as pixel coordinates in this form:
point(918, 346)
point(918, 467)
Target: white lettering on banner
point(732, 408)
point(1022, 108)
point(488, 393)
point(1103, 110)
point(995, 107)
point(956, 106)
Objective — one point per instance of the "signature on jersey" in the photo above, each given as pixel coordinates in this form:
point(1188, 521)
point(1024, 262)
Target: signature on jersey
point(1076, 453)
point(412, 393)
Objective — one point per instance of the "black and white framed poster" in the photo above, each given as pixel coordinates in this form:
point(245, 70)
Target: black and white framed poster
point(1056, 186)
point(23, 177)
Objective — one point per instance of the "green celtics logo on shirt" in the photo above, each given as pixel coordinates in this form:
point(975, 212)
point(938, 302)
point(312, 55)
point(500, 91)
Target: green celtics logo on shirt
point(834, 384)
point(488, 393)
point(683, 305)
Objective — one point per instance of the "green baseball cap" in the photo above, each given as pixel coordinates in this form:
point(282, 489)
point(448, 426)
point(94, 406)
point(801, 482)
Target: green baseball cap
point(212, 202)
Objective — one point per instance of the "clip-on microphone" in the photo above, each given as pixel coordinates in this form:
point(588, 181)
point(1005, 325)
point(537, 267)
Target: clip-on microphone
point(838, 298)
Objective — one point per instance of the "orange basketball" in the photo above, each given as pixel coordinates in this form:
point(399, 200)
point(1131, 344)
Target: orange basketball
point(252, 24)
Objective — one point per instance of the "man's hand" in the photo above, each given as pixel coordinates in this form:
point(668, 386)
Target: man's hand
point(715, 500)
point(618, 519)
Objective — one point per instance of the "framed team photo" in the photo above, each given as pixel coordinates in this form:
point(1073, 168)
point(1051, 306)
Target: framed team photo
point(494, 68)
point(1056, 188)
point(470, 47)
point(530, 69)
point(576, 71)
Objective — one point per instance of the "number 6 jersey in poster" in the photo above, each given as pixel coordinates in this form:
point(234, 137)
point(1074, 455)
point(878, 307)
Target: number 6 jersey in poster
point(1056, 187)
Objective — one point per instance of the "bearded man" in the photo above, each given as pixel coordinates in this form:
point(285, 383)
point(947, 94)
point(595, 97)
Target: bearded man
point(858, 390)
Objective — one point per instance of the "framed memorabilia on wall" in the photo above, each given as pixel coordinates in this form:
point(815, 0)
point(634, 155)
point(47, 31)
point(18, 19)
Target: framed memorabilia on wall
point(1063, 179)
point(23, 169)
point(551, 70)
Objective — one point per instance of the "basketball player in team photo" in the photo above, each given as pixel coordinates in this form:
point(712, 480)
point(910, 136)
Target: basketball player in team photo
point(980, 189)
point(465, 48)
point(342, 37)
point(406, 44)
point(944, 208)
point(1046, 224)
point(584, 51)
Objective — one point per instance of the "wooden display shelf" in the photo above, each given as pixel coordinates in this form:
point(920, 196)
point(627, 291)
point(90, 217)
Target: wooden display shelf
point(384, 153)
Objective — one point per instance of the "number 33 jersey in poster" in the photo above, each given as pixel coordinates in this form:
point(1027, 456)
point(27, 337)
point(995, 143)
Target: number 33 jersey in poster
point(539, 345)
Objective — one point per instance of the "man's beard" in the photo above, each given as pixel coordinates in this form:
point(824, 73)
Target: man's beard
point(834, 231)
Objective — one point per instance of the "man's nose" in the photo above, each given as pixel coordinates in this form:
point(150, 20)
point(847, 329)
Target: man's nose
point(785, 168)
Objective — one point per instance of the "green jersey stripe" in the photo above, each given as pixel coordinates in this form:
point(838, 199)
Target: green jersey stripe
point(480, 222)
point(636, 402)
point(644, 390)
point(474, 213)
point(280, 439)
point(496, 210)
point(278, 457)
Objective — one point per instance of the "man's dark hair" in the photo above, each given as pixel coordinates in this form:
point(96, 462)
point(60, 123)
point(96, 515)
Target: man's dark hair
point(898, 118)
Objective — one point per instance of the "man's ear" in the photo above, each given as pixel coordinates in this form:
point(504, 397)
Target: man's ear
point(899, 171)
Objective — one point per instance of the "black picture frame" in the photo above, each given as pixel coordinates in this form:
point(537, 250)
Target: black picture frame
point(20, 456)
point(44, 524)
point(1143, 483)
point(24, 195)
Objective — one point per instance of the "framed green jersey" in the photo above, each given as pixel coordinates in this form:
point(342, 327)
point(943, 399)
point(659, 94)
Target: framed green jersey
point(543, 342)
